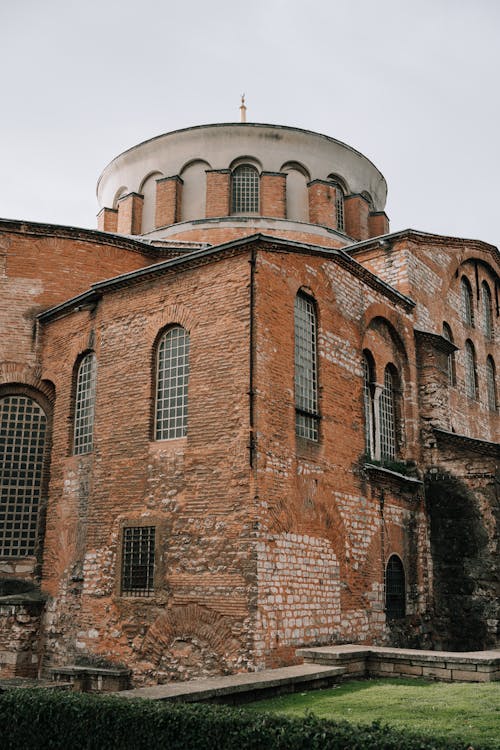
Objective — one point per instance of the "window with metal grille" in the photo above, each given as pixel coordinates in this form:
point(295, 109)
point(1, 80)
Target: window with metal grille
point(470, 370)
point(368, 379)
point(491, 384)
point(138, 561)
point(23, 428)
point(83, 441)
point(487, 311)
point(387, 420)
point(447, 334)
point(467, 304)
point(245, 190)
point(172, 384)
point(306, 369)
point(395, 589)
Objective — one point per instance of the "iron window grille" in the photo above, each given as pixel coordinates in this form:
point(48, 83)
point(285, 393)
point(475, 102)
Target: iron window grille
point(83, 441)
point(470, 370)
point(23, 430)
point(387, 420)
point(491, 384)
point(368, 405)
point(487, 311)
point(172, 384)
point(395, 589)
point(245, 190)
point(138, 561)
point(467, 304)
point(306, 369)
point(339, 208)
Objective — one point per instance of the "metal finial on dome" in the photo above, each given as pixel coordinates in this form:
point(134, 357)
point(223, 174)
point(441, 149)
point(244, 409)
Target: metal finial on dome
point(243, 109)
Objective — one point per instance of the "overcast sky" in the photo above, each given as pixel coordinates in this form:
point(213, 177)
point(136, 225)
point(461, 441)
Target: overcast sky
point(412, 85)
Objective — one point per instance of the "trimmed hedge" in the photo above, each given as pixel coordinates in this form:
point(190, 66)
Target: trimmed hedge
point(60, 720)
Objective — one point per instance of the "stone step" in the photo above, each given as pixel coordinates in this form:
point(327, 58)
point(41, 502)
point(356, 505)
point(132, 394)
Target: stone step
point(239, 688)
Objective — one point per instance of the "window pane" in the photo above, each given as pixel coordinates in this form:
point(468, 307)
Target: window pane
point(367, 401)
point(172, 384)
point(395, 589)
point(470, 370)
point(306, 382)
point(84, 405)
point(245, 190)
point(467, 307)
point(387, 419)
point(491, 384)
point(23, 427)
point(487, 311)
point(138, 557)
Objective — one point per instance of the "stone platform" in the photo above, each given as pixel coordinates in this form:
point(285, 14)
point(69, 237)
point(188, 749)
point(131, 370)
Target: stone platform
point(239, 688)
point(375, 661)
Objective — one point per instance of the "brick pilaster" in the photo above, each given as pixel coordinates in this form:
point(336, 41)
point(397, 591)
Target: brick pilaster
point(218, 192)
point(322, 204)
point(273, 194)
point(168, 201)
point(356, 210)
point(378, 223)
point(107, 220)
point(130, 214)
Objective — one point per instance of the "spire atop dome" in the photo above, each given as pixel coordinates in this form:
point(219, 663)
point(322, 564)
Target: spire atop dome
point(243, 109)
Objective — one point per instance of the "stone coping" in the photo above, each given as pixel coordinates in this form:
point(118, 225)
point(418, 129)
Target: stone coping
point(90, 670)
point(340, 653)
point(238, 684)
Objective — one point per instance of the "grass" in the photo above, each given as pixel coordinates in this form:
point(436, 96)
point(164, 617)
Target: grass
point(468, 712)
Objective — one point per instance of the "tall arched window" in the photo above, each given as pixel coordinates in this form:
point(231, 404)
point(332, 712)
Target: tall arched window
point(245, 190)
point(487, 310)
point(306, 368)
point(23, 430)
point(172, 374)
point(83, 441)
point(447, 334)
point(339, 202)
point(466, 301)
point(470, 370)
point(491, 384)
point(368, 386)
point(395, 589)
point(388, 416)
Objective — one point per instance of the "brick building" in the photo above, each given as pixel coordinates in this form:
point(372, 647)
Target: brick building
point(243, 417)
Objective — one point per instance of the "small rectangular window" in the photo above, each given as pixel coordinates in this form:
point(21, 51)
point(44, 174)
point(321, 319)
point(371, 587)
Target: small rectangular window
point(138, 561)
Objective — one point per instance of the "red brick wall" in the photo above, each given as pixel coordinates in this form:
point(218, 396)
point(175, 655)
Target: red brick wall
point(356, 212)
point(322, 208)
point(107, 220)
point(130, 214)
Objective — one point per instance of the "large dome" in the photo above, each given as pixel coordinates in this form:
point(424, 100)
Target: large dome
point(242, 177)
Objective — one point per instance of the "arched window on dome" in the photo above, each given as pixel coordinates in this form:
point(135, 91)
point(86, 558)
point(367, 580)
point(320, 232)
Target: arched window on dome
point(487, 310)
point(395, 589)
point(23, 442)
point(83, 438)
point(470, 370)
point(172, 375)
point(447, 334)
point(368, 392)
point(245, 190)
point(339, 202)
point(388, 415)
point(306, 368)
point(466, 301)
point(491, 384)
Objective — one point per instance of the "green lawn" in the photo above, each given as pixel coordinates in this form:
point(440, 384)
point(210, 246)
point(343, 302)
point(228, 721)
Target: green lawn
point(462, 711)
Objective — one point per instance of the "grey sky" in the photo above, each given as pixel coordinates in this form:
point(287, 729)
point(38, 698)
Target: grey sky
point(412, 85)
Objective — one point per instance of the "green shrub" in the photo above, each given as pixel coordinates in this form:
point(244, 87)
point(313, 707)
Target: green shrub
point(60, 720)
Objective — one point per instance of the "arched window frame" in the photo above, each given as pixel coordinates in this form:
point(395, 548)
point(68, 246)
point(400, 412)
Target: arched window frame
point(23, 476)
point(84, 400)
point(368, 366)
point(306, 367)
point(447, 334)
point(171, 383)
point(395, 588)
point(491, 384)
point(487, 310)
point(388, 415)
point(467, 301)
point(340, 192)
point(470, 370)
point(245, 189)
